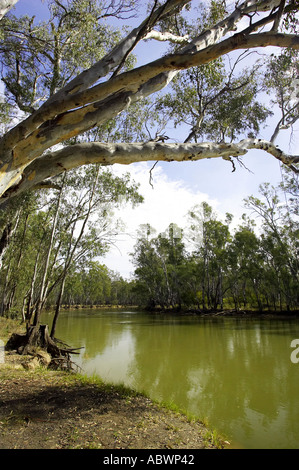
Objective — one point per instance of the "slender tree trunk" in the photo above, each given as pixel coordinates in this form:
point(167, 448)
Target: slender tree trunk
point(71, 253)
point(235, 298)
point(220, 289)
point(7, 234)
point(17, 267)
point(4, 292)
point(256, 291)
point(23, 310)
point(42, 292)
point(244, 295)
point(58, 305)
point(169, 296)
point(4, 241)
point(29, 309)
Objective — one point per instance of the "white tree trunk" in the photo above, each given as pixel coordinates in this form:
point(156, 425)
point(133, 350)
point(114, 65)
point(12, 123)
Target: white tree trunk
point(5, 6)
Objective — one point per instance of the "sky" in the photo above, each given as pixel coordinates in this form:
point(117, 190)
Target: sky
point(177, 187)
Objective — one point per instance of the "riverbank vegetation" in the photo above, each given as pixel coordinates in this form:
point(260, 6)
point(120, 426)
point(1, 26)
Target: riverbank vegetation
point(209, 265)
point(212, 265)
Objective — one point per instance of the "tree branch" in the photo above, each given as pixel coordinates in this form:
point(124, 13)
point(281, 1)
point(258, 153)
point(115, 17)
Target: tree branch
point(282, 120)
point(55, 163)
point(134, 82)
point(68, 94)
point(111, 60)
point(166, 36)
point(278, 15)
point(79, 106)
point(77, 93)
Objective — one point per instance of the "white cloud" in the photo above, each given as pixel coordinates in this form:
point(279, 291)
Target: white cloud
point(166, 201)
point(177, 187)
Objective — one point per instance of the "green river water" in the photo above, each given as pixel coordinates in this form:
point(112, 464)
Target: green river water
point(236, 373)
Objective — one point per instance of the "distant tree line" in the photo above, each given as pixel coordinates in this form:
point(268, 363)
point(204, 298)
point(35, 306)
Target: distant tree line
point(210, 264)
point(254, 266)
point(96, 285)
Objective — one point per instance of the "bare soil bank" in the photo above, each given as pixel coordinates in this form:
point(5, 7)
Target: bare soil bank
point(45, 409)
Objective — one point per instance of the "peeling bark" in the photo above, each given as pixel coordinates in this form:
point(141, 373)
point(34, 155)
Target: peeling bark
point(55, 163)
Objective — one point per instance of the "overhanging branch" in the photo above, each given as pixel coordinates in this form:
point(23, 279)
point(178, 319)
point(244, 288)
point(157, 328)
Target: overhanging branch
point(81, 105)
point(52, 164)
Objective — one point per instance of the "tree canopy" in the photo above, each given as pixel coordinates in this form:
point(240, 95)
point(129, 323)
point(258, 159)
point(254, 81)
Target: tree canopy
point(71, 83)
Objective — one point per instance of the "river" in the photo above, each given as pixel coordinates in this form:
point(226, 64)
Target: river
point(235, 373)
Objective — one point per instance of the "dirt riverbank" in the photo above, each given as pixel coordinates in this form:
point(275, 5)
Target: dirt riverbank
point(46, 409)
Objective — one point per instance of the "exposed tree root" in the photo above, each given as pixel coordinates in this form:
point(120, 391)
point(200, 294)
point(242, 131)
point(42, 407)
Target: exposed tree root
point(38, 337)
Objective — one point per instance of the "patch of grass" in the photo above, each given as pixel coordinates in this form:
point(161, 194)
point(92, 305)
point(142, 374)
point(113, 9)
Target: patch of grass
point(212, 437)
point(171, 406)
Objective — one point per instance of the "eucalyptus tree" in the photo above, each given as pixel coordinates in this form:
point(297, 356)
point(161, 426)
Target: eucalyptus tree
point(148, 270)
point(88, 225)
point(214, 101)
point(20, 241)
point(279, 241)
point(59, 106)
point(170, 250)
point(75, 225)
point(290, 189)
point(282, 82)
point(246, 267)
point(158, 262)
point(92, 285)
point(122, 291)
point(211, 239)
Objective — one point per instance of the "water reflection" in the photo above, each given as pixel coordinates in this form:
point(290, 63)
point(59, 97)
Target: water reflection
point(235, 372)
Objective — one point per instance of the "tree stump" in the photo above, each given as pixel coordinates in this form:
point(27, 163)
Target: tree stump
point(38, 336)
